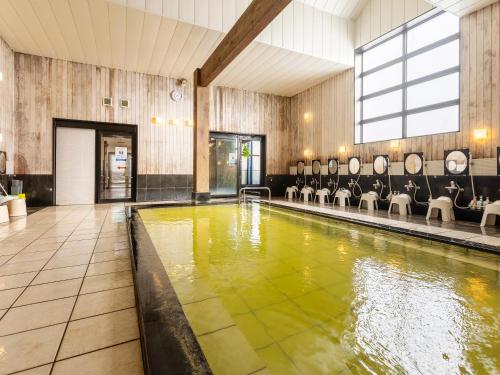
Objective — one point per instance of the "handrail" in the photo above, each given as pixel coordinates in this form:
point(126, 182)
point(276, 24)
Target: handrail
point(244, 189)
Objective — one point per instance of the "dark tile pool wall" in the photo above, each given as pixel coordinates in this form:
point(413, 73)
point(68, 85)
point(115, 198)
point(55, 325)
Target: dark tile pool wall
point(487, 186)
point(155, 187)
point(38, 188)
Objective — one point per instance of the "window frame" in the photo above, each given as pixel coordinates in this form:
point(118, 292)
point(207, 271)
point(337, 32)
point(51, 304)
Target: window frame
point(403, 59)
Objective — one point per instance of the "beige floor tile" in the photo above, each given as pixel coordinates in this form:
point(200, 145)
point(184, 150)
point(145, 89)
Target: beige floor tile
point(79, 244)
point(4, 259)
point(67, 261)
point(83, 236)
point(30, 349)
point(16, 281)
point(51, 291)
point(107, 281)
point(59, 274)
point(51, 240)
point(7, 297)
point(86, 335)
point(38, 315)
point(103, 302)
point(12, 269)
point(111, 244)
point(42, 370)
point(36, 247)
point(108, 267)
point(74, 251)
point(117, 360)
point(110, 255)
point(31, 257)
point(2, 312)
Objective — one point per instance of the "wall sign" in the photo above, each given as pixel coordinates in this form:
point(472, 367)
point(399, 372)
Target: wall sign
point(121, 153)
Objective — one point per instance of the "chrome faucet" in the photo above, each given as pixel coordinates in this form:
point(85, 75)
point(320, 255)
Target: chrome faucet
point(378, 184)
point(411, 185)
point(351, 183)
point(453, 186)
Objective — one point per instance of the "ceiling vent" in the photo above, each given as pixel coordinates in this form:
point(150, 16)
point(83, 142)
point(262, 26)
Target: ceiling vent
point(124, 103)
point(107, 102)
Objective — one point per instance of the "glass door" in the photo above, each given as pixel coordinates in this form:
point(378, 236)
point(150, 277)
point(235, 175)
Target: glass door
point(223, 165)
point(251, 161)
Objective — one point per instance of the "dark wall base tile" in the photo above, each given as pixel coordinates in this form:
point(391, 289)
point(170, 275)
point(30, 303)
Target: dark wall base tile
point(38, 188)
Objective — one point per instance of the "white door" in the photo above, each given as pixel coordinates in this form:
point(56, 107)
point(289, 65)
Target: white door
point(75, 166)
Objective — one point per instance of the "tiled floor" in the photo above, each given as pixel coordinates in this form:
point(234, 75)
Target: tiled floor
point(67, 301)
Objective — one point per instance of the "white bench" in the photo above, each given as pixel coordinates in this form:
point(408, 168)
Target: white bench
point(342, 196)
point(321, 195)
point(490, 213)
point(291, 192)
point(443, 204)
point(402, 204)
point(306, 193)
point(369, 201)
point(4, 214)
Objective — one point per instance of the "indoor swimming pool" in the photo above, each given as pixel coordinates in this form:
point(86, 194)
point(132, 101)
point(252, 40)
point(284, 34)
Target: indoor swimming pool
point(269, 289)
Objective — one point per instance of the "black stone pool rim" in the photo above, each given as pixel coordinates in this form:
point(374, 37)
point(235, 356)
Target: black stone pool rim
point(169, 345)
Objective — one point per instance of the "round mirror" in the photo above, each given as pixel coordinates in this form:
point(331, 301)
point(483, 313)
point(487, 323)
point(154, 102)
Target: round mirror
point(380, 164)
point(456, 162)
point(413, 163)
point(354, 165)
point(300, 167)
point(3, 162)
point(316, 167)
point(333, 166)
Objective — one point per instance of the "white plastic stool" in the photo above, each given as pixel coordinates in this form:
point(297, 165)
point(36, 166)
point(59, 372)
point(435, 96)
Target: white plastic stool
point(4, 214)
point(321, 195)
point(402, 203)
point(306, 193)
point(443, 204)
point(17, 207)
point(342, 196)
point(369, 201)
point(490, 213)
point(291, 192)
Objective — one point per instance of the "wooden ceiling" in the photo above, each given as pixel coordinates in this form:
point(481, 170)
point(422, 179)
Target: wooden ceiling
point(173, 37)
point(342, 8)
point(461, 7)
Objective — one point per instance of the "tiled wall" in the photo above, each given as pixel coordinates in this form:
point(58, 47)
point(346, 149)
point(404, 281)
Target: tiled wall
point(155, 187)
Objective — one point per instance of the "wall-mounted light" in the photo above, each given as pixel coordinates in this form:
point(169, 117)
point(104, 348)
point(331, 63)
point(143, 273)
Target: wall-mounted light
point(307, 153)
point(307, 116)
point(189, 123)
point(480, 134)
point(1, 137)
point(155, 120)
point(173, 121)
point(395, 143)
point(342, 149)
point(1, 76)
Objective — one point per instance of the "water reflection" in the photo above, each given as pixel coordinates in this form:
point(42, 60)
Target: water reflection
point(409, 323)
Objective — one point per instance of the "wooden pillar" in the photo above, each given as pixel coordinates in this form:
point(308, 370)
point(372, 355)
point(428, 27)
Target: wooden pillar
point(201, 118)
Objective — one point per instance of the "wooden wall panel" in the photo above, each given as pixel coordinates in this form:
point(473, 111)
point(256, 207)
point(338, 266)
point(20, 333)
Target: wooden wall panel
point(7, 85)
point(331, 105)
point(246, 112)
point(49, 88)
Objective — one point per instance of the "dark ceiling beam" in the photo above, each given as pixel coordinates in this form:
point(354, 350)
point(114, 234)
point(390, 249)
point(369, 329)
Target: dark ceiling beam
point(256, 17)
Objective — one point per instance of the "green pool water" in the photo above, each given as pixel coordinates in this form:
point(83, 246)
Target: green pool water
point(275, 291)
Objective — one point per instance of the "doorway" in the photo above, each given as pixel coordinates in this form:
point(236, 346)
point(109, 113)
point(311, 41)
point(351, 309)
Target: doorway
point(115, 166)
point(93, 162)
point(235, 161)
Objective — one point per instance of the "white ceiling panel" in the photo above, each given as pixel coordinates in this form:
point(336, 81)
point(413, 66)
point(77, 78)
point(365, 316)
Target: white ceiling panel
point(173, 37)
point(341, 8)
point(461, 7)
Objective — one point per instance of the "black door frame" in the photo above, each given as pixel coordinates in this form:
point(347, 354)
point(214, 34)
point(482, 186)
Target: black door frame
point(114, 128)
point(239, 137)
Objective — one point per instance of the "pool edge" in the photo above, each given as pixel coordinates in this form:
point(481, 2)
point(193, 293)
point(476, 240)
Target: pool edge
point(169, 345)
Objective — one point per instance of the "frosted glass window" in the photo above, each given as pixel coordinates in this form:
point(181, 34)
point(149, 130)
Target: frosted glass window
point(416, 90)
point(433, 30)
point(390, 50)
point(383, 104)
point(383, 79)
point(436, 91)
point(383, 130)
point(441, 120)
point(435, 60)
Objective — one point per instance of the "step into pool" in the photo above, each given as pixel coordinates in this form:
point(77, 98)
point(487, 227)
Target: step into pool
point(269, 290)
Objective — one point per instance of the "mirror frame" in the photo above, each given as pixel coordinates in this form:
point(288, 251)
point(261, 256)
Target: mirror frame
point(466, 170)
point(349, 165)
point(498, 161)
point(312, 167)
point(386, 157)
point(304, 170)
point(328, 167)
point(421, 156)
